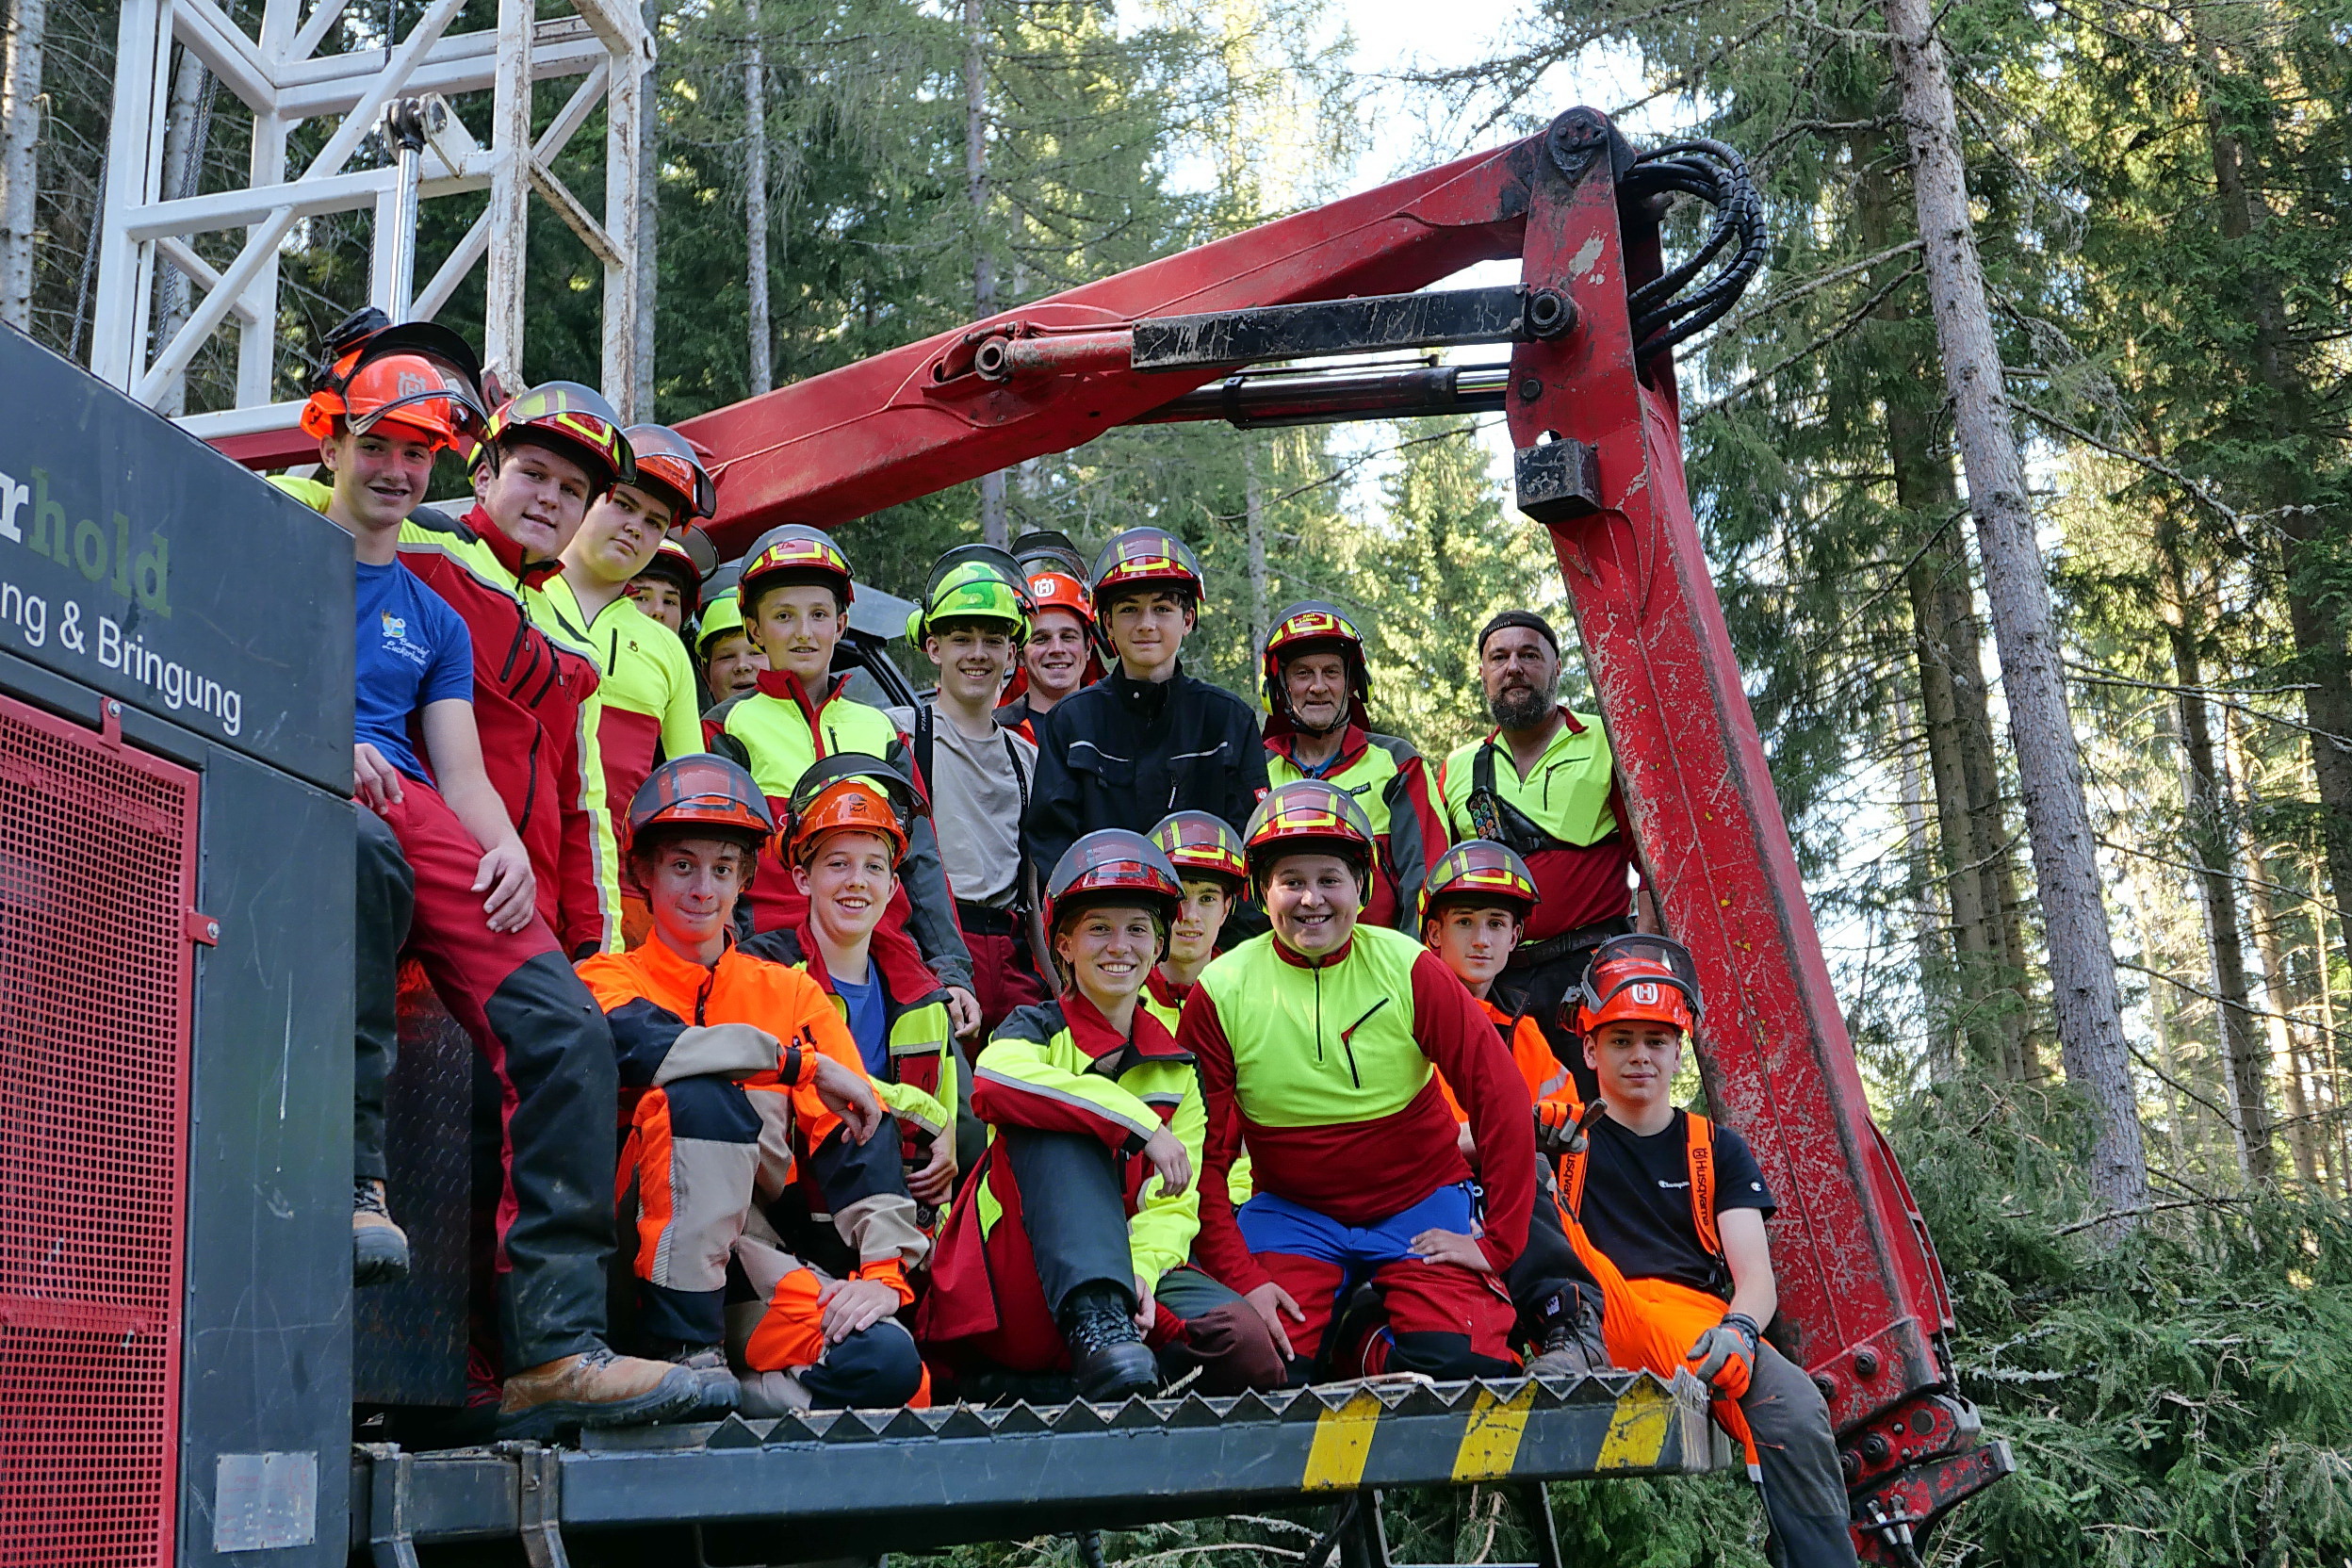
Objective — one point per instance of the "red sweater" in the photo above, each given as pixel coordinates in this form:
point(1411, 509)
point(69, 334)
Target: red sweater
point(1361, 1171)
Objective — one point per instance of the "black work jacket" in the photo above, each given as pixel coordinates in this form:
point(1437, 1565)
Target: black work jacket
point(1123, 753)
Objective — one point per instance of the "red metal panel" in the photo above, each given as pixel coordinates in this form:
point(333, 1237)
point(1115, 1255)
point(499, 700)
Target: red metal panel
point(97, 873)
point(1854, 1278)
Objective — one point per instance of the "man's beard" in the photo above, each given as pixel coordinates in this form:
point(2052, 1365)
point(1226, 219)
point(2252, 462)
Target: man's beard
point(1522, 707)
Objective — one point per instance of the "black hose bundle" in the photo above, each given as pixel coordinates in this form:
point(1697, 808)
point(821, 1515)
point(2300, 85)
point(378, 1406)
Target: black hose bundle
point(1719, 176)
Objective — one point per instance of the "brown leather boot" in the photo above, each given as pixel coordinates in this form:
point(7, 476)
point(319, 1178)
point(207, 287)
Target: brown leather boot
point(595, 1388)
point(379, 1248)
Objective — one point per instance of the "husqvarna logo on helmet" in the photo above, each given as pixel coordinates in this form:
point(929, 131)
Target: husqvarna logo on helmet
point(1644, 993)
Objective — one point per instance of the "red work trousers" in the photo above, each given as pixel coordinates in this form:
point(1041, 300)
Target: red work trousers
point(1003, 977)
point(543, 1039)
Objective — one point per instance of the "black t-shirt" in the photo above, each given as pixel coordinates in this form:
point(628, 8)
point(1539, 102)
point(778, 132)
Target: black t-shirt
point(1637, 1200)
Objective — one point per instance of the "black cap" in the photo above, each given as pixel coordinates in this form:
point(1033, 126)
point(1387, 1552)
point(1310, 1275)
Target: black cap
point(1527, 618)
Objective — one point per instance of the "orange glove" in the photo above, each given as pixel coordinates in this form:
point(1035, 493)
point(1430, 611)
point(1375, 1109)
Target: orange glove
point(1559, 1126)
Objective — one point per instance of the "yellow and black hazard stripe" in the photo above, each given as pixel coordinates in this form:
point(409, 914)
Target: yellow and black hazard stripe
point(1503, 1430)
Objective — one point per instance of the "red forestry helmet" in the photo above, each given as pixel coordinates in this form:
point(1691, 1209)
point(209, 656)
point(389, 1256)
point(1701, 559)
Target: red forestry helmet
point(569, 418)
point(1307, 814)
point(1478, 871)
point(702, 795)
point(1112, 865)
point(1313, 627)
point(1150, 558)
point(1640, 978)
point(794, 548)
point(668, 463)
point(1203, 846)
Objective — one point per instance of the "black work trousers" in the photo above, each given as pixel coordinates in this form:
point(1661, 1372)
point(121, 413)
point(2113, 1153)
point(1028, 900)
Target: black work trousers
point(1547, 1281)
point(1073, 1211)
point(387, 900)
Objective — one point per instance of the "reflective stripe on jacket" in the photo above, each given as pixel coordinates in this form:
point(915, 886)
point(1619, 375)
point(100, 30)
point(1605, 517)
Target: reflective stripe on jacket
point(1388, 779)
point(651, 996)
point(649, 698)
point(535, 706)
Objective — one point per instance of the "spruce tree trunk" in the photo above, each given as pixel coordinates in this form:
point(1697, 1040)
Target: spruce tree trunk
point(1254, 512)
point(762, 371)
point(2281, 985)
point(2050, 765)
point(2206, 795)
point(19, 158)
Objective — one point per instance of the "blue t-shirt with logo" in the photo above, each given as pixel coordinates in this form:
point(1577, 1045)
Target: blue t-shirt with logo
point(413, 650)
point(862, 1008)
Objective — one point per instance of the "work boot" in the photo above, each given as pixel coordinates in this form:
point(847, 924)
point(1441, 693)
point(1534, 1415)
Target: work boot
point(379, 1248)
point(707, 1362)
point(596, 1388)
point(1107, 1355)
point(1568, 1353)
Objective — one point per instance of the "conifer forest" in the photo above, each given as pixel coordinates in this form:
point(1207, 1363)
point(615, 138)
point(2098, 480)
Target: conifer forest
point(2024, 468)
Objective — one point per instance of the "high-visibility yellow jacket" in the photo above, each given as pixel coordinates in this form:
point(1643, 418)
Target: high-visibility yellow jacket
point(648, 697)
point(1563, 819)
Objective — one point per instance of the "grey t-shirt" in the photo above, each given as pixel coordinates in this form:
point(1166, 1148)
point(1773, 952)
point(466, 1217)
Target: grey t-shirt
point(977, 802)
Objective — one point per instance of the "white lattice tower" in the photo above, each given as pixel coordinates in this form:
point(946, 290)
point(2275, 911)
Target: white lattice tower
point(284, 80)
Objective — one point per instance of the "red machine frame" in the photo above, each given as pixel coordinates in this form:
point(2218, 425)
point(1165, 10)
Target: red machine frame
point(1859, 1279)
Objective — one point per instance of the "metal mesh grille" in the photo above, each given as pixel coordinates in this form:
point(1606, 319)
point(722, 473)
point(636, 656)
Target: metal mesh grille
point(96, 872)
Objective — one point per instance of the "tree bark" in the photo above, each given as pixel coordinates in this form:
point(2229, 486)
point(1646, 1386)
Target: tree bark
point(995, 520)
point(761, 343)
point(19, 158)
point(2049, 764)
point(2281, 985)
point(1945, 1051)
point(2205, 795)
point(186, 116)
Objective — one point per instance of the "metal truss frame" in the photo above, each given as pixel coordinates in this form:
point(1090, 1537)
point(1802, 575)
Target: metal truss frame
point(284, 80)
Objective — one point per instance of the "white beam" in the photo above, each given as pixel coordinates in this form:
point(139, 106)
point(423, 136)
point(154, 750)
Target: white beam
point(573, 211)
point(623, 147)
point(329, 83)
point(306, 43)
point(230, 209)
point(257, 342)
point(459, 262)
point(616, 22)
point(241, 421)
point(199, 272)
point(261, 243)
point(510, 194)
point(141, 53)
point(222, 45)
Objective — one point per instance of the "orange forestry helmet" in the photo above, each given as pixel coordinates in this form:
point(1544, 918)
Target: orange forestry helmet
point(701, 796)
point(851, 792)
point(418, 376)
point(1640, 978)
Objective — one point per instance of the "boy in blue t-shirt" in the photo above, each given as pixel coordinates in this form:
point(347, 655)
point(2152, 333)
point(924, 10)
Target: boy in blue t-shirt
point(442, 876)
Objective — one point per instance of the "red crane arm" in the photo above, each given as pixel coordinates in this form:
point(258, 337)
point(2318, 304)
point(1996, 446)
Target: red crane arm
point(917, 420)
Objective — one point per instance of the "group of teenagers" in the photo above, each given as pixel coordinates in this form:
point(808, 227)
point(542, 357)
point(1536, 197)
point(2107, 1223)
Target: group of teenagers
point(1080, 1031)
